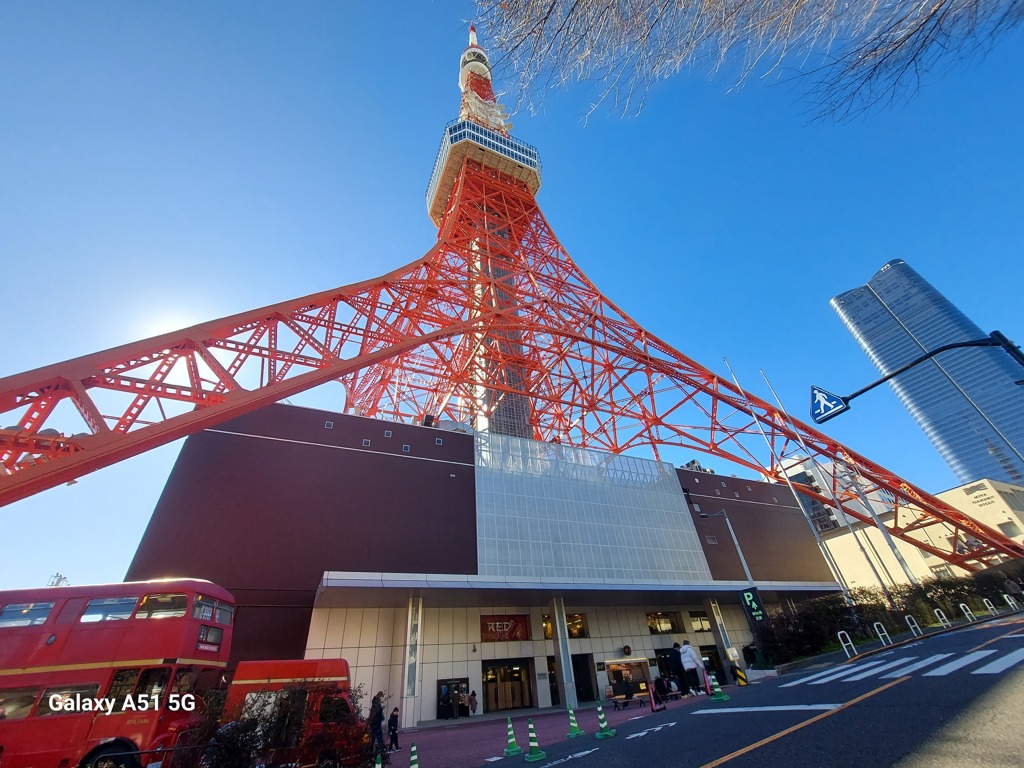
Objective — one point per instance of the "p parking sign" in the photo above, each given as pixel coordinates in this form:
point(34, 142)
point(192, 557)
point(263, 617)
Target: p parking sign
point(750, 599)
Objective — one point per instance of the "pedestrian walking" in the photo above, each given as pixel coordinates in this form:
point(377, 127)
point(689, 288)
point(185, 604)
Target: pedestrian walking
point(691, 663)
point(393, 732)
point(675, 663)
point(472, 703)
point(375, 721)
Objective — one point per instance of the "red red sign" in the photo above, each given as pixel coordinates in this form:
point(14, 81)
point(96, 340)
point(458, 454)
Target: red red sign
point(496, 628)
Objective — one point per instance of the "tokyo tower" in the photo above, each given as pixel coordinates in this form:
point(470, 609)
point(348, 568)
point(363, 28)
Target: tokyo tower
point(494, 326)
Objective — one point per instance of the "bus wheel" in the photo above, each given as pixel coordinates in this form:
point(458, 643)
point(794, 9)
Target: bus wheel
point(111, 757)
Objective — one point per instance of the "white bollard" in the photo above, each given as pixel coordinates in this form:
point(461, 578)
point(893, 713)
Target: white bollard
point(942, 619)
point(915, 629)
point(967, 612)
point(992, 610)
point(1010, 602)
point(848, 647)
point(883, 635)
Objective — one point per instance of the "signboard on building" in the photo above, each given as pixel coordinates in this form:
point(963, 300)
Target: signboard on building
point(494, 629)
point(750, 599)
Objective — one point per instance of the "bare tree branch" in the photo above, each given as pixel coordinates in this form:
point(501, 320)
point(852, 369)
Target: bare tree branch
point(857, 54)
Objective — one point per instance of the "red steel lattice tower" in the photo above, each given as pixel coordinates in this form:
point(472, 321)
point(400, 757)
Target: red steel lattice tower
point(494, 326)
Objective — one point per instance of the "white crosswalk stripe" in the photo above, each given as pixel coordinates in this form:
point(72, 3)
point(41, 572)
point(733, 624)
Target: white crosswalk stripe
point(953, 666)
point(906, 665)
point(849, 671)
point(832, 671)
point(802, 680)
point(882, 668)
point(1001, 665)
point(919, 665)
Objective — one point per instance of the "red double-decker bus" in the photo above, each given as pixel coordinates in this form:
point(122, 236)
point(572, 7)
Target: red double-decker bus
point(106, 676)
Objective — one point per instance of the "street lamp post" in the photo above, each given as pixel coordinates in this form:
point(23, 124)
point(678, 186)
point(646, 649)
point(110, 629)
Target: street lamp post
point(735, 541)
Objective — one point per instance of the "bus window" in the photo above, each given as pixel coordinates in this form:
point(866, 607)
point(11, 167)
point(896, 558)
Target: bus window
point(52, 699)
point(209, 638)
point(122, 685)
point(207, 609)
point(203, 608)
point(162, 607)
point(152, 682)
point(184, 681)
point(334, 709)
point(224, 613)
point(15, 703)
point(24, 614)
point(108, 609)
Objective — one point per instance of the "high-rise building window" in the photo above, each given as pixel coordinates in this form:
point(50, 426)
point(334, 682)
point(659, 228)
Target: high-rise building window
point(576, 623)
point(699, 621)
point(1010, 529)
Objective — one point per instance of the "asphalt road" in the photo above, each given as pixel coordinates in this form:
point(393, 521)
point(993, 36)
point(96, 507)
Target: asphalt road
point(952, 700)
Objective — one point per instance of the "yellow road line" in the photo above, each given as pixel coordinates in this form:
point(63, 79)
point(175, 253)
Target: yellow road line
point(798, 726)
point(994, 639)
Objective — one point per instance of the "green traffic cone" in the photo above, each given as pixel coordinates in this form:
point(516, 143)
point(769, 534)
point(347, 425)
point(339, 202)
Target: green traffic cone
point(534, 753)
point(574, 729)
point(512, 748)
point(605, 732)
point(718, 695)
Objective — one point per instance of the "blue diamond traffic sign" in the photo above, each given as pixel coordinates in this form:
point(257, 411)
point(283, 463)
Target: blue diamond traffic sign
point(825, 405)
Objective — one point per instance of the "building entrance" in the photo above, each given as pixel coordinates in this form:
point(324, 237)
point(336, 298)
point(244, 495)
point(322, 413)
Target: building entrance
point(584, 675)
point(556, 699)
point(713, 662)
point(507, 684)
point(453, 698)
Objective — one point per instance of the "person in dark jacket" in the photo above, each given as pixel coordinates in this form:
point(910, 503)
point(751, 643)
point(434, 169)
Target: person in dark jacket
point(393, 732)
point(675, 664)
point(375, 721)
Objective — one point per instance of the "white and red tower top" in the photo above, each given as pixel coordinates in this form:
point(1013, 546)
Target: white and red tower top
point(479, 103)
point(480, 134)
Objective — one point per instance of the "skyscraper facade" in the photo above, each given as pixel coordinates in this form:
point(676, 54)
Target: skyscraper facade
point(966, 400)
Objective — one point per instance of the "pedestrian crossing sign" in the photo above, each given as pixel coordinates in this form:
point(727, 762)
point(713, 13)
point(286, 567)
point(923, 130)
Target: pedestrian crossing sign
point(825, 405)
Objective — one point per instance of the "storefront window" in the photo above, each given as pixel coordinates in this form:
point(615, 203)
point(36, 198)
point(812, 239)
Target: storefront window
point(575, 622)
point(699, 621)
point(662, 623)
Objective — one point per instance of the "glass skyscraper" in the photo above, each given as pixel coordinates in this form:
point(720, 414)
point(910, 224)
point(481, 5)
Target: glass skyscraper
point(966, 400)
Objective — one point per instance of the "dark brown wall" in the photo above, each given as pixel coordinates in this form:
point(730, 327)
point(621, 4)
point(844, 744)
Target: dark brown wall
point(769, 525)
point(264, 504)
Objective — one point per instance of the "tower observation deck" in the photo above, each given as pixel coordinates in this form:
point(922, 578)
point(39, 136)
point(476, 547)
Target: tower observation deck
point(495, 326)
point(481, 133)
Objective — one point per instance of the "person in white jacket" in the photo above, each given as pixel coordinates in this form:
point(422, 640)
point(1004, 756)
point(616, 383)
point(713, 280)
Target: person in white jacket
point(691, 663)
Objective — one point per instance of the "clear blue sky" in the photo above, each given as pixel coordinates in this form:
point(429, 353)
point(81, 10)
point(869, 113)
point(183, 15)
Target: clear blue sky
point(165, 164)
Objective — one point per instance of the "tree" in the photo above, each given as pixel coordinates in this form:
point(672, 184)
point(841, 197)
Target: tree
point(858, 53)
point(309, 723)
